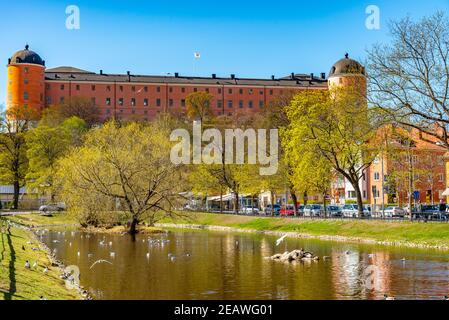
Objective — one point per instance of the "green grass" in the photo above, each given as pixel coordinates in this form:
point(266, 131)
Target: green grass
point(432, 234)
point(36, 219)
point(17, 282)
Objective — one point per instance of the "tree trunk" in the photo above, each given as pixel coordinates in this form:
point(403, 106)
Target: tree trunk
point(359, 198)
point(221, 200)
point(15, 203)
point(324, 205)
point(271, 201)
point(295, 202)
point(236, 202)
point(133, 226)
point(305, 197)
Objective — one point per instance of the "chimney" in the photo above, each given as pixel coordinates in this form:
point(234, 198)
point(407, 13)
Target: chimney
point(101, 72)
point(323, 75)
point(292, 75)
point(272, 77)
point(176, 74)
point(129, 76)
point(232, 76)
point(214, 76)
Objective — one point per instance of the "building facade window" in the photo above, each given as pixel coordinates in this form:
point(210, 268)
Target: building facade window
point(183, 103)
point(260, 103)
point(250, 104)
point(158, 89)
point(376, 176)
point(62, 87)
point(219, 104)
point(133, 102)
point(241, 104)
point(25, 95)
point(145, 102)
point(120, 101)
point(77, 87)
point(158, 102)
point(230, 91)
point(108, 101)
point(170, 102)
point(229, 103)
point(93, 87)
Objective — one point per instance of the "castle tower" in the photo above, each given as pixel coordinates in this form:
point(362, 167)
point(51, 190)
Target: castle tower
point(25, 84)
point(348, 72)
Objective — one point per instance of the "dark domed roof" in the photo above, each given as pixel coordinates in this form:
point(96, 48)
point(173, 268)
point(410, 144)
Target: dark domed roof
point(26, 56)
point(347, 66)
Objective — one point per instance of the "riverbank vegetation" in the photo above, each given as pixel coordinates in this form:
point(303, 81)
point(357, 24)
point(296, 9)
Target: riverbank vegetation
point(19, 282)
point(399, 232)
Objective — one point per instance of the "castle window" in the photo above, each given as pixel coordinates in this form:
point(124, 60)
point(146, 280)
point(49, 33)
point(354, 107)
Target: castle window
point(25, 95)
point(158, 89)
point(250, 103)
point(77, 87)
point(120, 101)
point(133, 102)
point(158, 102)
point(241, 104)
point(183, 103)
point(230, 91)
point(93, 87)
point(62, 87)
point(260, 103)
point(170, 102)
point(108, 101)
point(229, 103)
point(25, 70)
point(183, 89)
point(145, 102)
point(25, 81)
point(241, 91)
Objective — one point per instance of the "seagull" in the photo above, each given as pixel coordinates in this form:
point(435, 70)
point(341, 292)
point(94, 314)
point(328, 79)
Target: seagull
point(110, 243)
point(386, 297)
point(27, 264)
point(403, 260)
point(78, 253)
point(148, 255)
point(99, 261)
point(279, 241)
point(446, 298)
point(112, 254)
point(42, 298)
point(172, 258)
point(35, 264)
point(45, 270)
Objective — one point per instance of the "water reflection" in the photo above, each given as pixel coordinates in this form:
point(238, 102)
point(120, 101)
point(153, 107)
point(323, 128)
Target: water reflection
point(215, 265)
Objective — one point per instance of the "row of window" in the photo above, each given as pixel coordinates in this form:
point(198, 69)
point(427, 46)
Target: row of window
point(158, 102)
point(170, 89)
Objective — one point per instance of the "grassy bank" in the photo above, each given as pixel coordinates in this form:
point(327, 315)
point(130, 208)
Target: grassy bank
point(18, 282)
point(400, 232)
point(36, 219)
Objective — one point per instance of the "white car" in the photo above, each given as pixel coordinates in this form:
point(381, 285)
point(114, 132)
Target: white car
point(313, 210)
point(249, 210)
point(51, 208)
point(350, 210)
point(391, 212)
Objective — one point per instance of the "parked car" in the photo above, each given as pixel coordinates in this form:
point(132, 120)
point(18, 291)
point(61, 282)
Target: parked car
point(52, 207)
point(334, 211)
point(313, 210)
point(288, 210)
point(350, 210)
point(392, 212)
point(250, 210)
point(272, 210)
point(301, 209)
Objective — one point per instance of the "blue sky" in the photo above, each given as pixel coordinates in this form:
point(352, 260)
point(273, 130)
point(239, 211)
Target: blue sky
point(248, 38)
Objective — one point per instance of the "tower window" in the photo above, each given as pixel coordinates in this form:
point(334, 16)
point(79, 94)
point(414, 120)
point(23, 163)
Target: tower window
point(25, 81)
point(25, 95)
point(25, 70)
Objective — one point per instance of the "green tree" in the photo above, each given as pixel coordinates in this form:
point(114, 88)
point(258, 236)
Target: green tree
point(335, 126)
point(46, 145)
point(198, 106)
point(129, 166)
point(13, 159)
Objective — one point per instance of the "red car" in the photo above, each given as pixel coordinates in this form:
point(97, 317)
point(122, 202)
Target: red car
point(288, 210)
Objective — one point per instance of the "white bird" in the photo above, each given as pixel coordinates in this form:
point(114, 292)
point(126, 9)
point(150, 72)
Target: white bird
point(78, 253)
point(55, 241)
point(45, 270)
point(172, 258)
point(347, 252)
point(110, 243)
point(386, 297)
point(112, 254)
point(27, 264)
point(279, 241)
point(403, 260)
point(70, 244)
point(371, 255)
point(99, 261)
point(89, 255)
point(35, 264)
point(148, 255)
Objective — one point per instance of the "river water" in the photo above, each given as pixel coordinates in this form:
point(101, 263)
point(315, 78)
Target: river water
point(223, 265)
